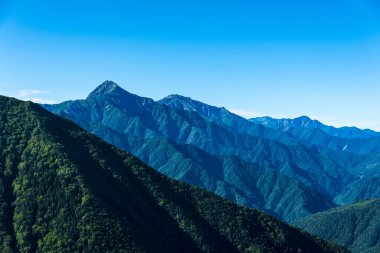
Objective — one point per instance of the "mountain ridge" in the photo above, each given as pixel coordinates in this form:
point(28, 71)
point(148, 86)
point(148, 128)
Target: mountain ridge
point(123, 121)
point(74, 192)
point(307, 122)
point(356, 226)
point(208, 146)
point(311, 133)
point(126, 123)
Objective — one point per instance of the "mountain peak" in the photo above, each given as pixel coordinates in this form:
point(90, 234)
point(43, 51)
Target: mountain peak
point(299, 122)
point(176, 97)
point(106, 87)
point(304, 118)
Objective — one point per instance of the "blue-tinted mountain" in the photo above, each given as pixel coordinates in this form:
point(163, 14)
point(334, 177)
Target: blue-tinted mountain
point(132, 122)
point(366, 188)
point(112, 112)
point(311, 132)
point(226, 119)
point(320, 138)
point(356, 226)
point(230, 177)
point(291, 132)
point(347, 139)
point(304, 130)
point(306, 122)
point(65, 190)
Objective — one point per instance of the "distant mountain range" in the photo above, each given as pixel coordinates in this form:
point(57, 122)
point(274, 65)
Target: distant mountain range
point(348, 139)
point(355, 226)
point(306, 122)
point(64, 190)
point(211, 147)
point(311, 133)
point(291, 169)
point(149, 129)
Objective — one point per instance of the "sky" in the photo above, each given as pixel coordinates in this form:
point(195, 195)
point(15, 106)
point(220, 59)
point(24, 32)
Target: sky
point(283, 58)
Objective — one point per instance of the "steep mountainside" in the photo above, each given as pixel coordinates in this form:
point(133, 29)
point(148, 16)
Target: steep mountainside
point(308, 132)
point(306, 122)
point(302, 131)
point(348, 139)
point(320, 138)
point(236, 180)
point(124, 120)
point(65, 190)
point(287, 131)
point(230, 177)
point(226, 119)
point(356, 226)
point(365, 188)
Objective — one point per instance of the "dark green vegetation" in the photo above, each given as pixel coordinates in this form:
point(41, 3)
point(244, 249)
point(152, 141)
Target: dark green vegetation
point(64, 190)
point(210, 147)
point(356, 226)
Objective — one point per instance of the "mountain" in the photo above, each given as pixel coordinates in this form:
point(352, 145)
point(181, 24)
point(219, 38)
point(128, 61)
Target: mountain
point(365, 188)
point(291, 132)
point(306, 122)
point(64, 190)
point(364, 165)
point(128, 121)
point(300, 131)
point(320, 138)
point(226, 119)
point(347, 139)
point(310, 127)
point(219, 115)
point(232, 178)
point(355, 226)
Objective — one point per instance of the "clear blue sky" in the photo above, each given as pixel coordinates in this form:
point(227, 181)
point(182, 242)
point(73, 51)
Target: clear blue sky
point(282, 58)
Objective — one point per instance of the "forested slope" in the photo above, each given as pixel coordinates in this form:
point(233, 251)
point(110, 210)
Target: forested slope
point(356, 226)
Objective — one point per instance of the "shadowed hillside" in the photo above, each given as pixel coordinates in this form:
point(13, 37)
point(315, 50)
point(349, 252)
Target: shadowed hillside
point(356, 226)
